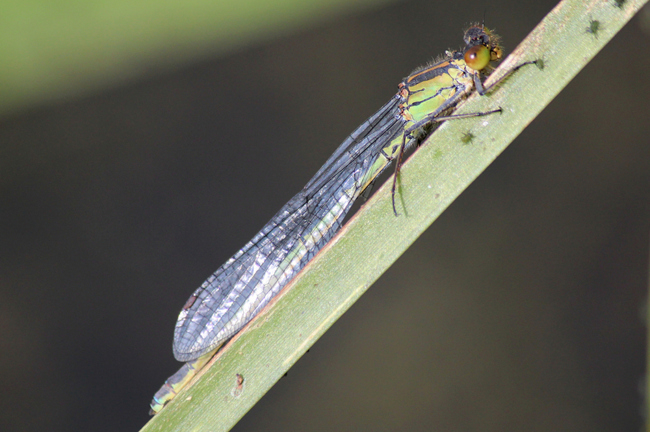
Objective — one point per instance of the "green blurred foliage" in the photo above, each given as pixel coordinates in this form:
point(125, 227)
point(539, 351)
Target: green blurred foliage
point(51, 50)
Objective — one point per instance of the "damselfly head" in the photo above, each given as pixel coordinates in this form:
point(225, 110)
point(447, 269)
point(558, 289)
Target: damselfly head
point(481, 47)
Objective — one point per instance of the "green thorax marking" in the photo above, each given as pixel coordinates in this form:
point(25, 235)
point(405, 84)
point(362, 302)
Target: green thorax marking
point(426, 93)
point(430, 91)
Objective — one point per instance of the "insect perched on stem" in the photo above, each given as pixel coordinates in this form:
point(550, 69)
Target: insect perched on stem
point(247, 282)
point(594, 27)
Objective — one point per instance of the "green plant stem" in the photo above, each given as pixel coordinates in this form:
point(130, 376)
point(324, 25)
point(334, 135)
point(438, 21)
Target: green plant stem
point(367, 246)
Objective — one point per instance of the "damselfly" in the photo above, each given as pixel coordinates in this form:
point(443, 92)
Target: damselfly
point(246, 283)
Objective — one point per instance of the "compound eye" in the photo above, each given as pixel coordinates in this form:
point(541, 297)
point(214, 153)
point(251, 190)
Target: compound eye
point(477, 57)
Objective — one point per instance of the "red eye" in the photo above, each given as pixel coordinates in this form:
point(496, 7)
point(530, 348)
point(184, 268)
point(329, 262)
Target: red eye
point(477, 57)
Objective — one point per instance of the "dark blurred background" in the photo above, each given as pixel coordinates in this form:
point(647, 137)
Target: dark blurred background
point(521, 308)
